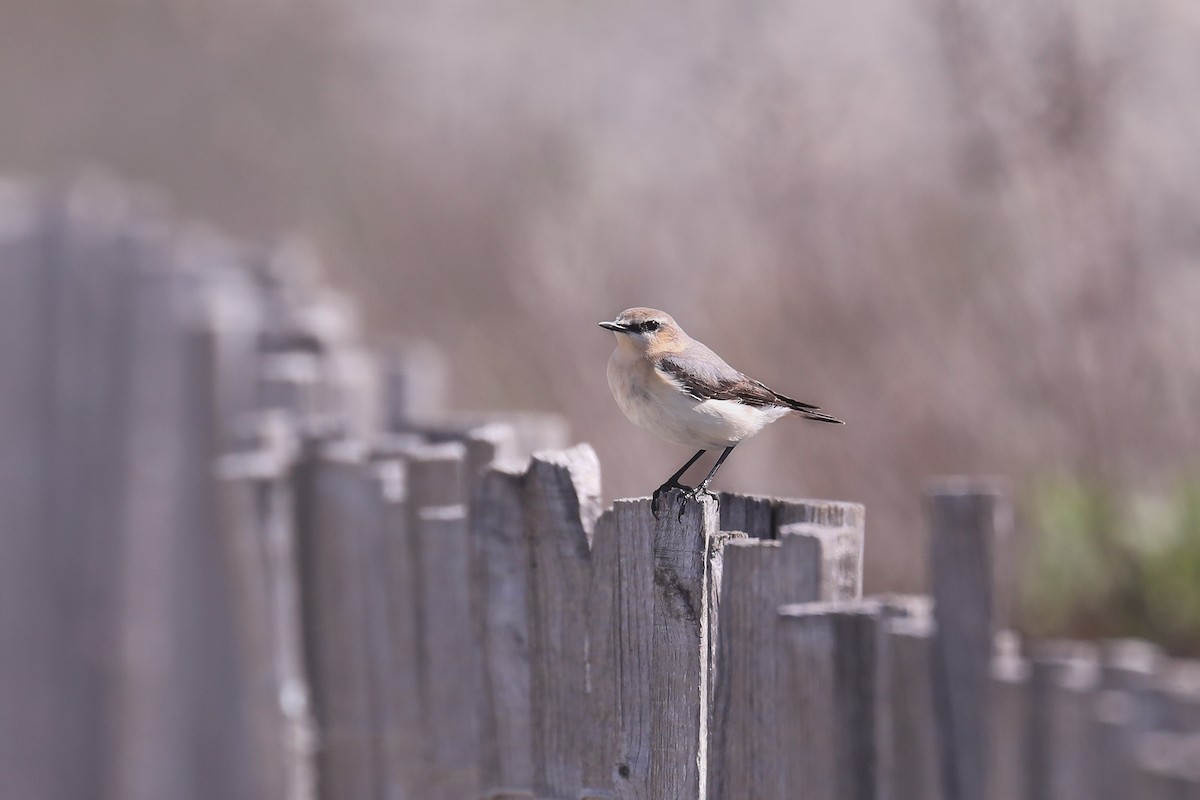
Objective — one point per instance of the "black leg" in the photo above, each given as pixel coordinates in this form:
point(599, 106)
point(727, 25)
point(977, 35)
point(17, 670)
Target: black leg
point(703, 487)
point(672, 483)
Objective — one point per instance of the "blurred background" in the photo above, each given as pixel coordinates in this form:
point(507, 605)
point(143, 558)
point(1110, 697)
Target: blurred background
point(971, 230)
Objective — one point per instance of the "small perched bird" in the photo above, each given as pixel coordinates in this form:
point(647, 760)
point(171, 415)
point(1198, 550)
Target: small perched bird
point(673, 386)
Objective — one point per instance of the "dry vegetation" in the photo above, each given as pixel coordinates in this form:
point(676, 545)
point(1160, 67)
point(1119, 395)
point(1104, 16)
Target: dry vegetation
point(970, 229)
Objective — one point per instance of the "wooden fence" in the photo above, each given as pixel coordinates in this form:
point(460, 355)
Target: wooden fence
point(242, 558)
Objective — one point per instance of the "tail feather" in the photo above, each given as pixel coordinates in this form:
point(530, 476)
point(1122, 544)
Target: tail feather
point(819, 417)
point(807, 410)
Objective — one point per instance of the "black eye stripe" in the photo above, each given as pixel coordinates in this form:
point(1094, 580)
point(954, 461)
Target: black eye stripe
point(642, 327)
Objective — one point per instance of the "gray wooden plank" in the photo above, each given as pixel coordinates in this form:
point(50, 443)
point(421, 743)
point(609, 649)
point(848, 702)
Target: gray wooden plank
point(688, 563)
point(181, 729)
point(1008, 724)
point(31, 662)
point(747, 758)
point(969, 528)
point(87, 349)
point(1130, 665)
point(632, 648)
point(436, 475)
point(500, 574)
point(1122, 711)
point(662, 659)
point(1178, 696)
point(600, 735)
point(488, 444)
point(561, 500)
point(451, 679)
point(1165, 767)
point(380, 485)
point(910, 760)
point(1115, 724)
point(257, 520)
point(335, 508)
point(841, 548)
point(405, 739)
point(834, 513)
point(1064, 676)
point(416, 384)
point(842, 528)
point(828, 654)
point(753, 515)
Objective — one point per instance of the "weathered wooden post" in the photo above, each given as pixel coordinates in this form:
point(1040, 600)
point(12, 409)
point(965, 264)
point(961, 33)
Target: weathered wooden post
point(1176, 696)
point(1006, 776)
point(663, 613)
point(1166, 766)
point(1121, 712)
point(747, 757)
point(449, 673)
point(561, 503)
point(828, 654)
point(969, 525)
point(37, 658)
point(500, 574)
point(840, 526)
point(257, 521)
point(1062, 683)
point(910, 760)
point(339, 510)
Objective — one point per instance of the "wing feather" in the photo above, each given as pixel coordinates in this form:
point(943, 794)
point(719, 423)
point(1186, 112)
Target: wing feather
point(704, 375)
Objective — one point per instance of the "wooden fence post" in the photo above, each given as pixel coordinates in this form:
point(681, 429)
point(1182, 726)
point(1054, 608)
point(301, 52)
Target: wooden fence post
point(841, 528)
point(663, 611)
point(258, 523)
point(828, 656)
point(910, 758)
point(1008, 722)
point(500, 572)
point(1166, 766)
point(451, 679)
point(35, 659)
point(751, 514)
point(402, 698)
point(1177, 696)
point(1062, 684)
point(338, 511)
point(1121, 712)
point(747, 757)
point(561, 500)
point(969, 523)
point(600, 735)
point(415, 385)
point(841, 549)
point(448, 674)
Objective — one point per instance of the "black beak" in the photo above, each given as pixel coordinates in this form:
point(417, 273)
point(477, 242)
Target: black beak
point(614, 326)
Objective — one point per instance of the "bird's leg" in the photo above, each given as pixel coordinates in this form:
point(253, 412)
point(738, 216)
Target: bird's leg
point(694, 494)
point(672, 483)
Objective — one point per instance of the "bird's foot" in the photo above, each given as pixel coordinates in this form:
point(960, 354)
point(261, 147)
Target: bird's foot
point(694, 495)
point(666, 487)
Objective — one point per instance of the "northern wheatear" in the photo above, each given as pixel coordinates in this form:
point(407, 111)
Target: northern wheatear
point(673, 386)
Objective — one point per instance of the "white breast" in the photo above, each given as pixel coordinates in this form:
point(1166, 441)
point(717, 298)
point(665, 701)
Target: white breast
point(659, 405)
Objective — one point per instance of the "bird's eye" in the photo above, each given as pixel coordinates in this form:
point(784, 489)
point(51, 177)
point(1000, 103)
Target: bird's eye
point(651, 325)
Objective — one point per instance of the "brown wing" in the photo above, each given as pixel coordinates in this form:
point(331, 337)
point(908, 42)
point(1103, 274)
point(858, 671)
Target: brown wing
point(705, 376)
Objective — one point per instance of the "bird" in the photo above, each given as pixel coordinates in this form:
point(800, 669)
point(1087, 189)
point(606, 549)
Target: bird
point(678, 389)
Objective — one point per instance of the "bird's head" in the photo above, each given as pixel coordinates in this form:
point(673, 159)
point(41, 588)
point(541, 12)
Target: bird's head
point(646, 330)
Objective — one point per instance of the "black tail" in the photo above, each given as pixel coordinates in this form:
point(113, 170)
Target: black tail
point(807, 410)
point(819, 417)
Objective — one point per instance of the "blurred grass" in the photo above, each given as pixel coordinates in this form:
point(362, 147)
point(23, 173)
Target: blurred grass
point(1112, 563)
